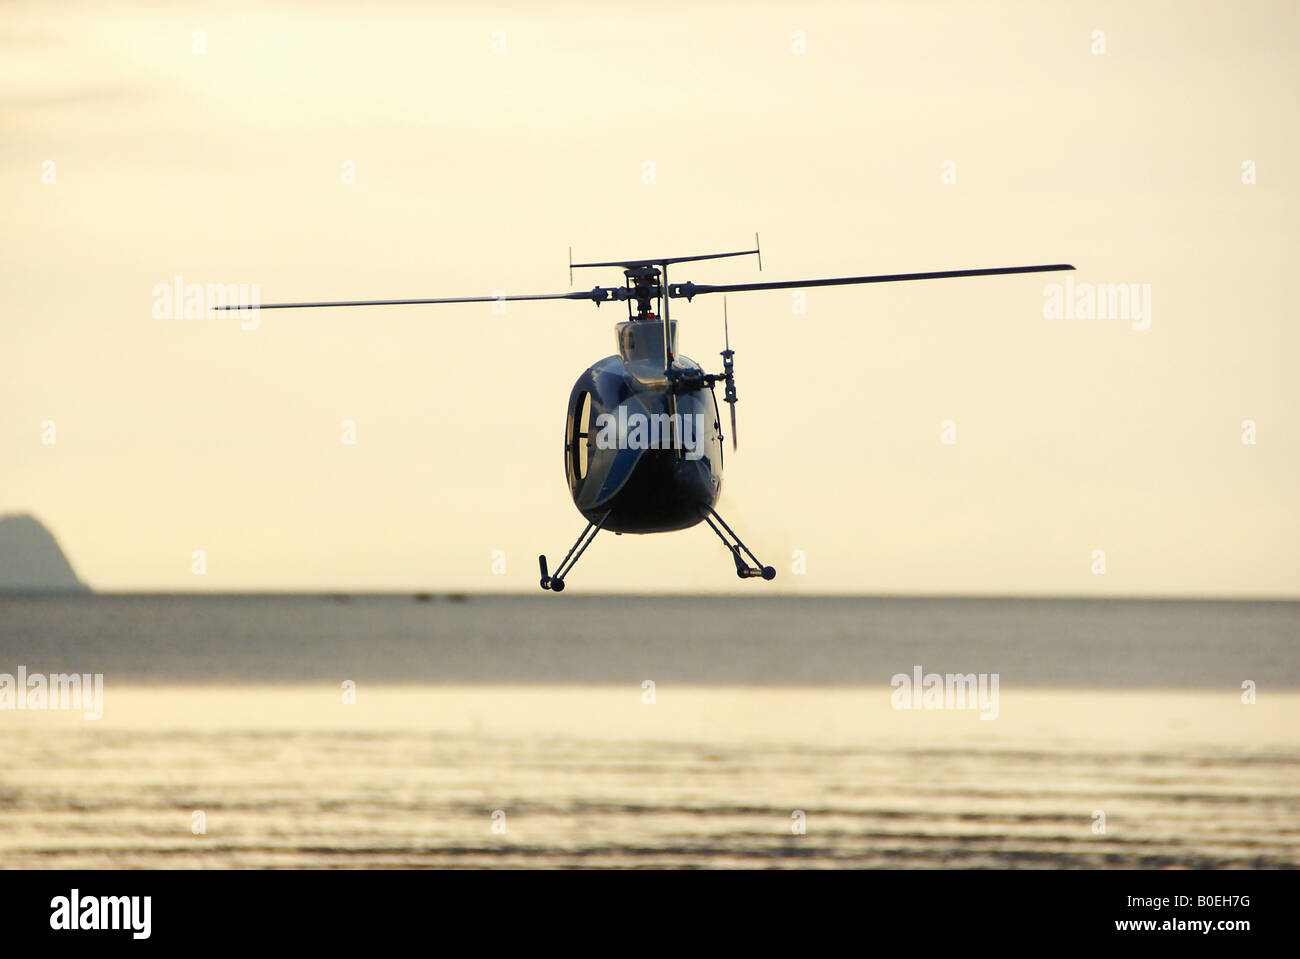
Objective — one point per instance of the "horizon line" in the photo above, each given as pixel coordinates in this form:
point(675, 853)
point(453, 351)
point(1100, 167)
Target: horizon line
point(462, 595)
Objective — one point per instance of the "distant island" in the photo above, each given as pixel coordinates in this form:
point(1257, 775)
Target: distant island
point(30, 557)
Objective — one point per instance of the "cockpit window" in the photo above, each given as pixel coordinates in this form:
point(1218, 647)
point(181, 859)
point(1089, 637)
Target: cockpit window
point(581, 438)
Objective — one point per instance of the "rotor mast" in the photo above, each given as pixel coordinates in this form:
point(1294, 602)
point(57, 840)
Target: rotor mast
point(647, 285)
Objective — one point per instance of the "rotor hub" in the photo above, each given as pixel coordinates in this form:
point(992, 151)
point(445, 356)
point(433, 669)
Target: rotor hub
point(643, 286)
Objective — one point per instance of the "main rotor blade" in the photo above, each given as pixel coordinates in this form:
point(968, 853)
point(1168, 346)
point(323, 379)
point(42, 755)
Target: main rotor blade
point(596, 295)
point(689, 290)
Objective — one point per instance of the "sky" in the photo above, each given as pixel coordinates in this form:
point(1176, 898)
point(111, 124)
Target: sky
point(940, 437)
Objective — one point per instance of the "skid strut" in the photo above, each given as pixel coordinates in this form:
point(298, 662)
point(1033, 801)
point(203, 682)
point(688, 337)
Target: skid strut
point(743, 569)
point(555, 582)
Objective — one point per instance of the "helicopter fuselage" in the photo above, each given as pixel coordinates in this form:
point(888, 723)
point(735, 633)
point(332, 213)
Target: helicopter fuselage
point(665, 473)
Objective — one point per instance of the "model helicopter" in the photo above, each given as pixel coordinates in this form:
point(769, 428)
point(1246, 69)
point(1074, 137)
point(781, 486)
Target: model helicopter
point(643, 434)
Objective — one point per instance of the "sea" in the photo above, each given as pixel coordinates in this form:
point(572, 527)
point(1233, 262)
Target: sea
point(473, 731)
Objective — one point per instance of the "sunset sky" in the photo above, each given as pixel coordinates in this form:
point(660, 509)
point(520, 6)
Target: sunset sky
point(216, 142)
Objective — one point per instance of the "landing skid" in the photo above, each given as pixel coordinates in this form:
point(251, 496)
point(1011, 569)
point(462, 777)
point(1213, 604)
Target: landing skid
point(739, 551)
point(555, 582)
point(743, 569)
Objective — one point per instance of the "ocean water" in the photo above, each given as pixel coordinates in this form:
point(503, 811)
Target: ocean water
point(646, 732)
